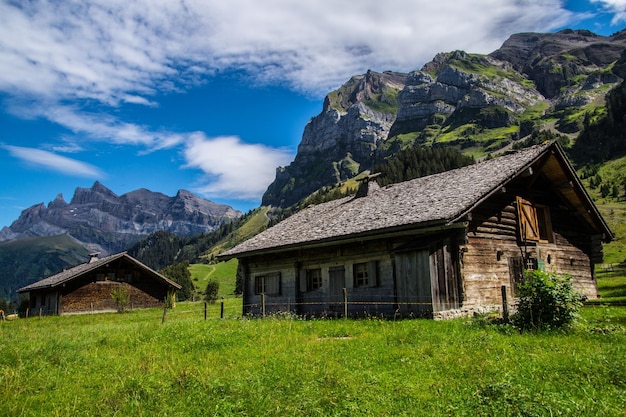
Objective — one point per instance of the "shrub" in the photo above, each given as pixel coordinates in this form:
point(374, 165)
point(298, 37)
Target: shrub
point(546, 301)
point(212, 287)
point(170, 299)
point(121, 297)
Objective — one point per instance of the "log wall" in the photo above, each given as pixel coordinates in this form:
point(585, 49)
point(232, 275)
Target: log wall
point(494, 245)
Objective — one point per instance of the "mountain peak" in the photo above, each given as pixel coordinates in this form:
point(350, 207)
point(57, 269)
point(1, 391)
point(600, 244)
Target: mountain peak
point(98, 187)
point(460, 99)
point(58, 202)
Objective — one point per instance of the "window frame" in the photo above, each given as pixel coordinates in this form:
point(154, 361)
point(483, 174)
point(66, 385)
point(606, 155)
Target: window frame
point(360, 274)
point(314, 279)
point(268, 283)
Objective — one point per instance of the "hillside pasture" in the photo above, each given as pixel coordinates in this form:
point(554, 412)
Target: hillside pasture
point(222, 272)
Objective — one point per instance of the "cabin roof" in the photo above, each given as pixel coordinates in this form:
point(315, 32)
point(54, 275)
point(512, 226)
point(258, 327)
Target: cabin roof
point(439, 199)
point(77, 271)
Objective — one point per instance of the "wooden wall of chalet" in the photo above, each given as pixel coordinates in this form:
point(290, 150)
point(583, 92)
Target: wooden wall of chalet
point(43, 302)
point(336, 265)
point(495, 251)
point(407, 280)
point(96, 296)
point(92, 291)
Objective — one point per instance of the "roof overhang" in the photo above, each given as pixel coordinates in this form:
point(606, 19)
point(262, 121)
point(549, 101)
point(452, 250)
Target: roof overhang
point(575, 193)
point(405, 230)
point(83, 269)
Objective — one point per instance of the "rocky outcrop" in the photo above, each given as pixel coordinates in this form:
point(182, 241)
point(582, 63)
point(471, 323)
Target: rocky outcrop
point(102, 220)
point(455, 99)
point(338, 143)
point(555, 60)
point(458, 96)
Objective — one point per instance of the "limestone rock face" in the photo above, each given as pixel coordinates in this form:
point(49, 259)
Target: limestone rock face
point(338, 143)
point(101, 219)
point(450, 101)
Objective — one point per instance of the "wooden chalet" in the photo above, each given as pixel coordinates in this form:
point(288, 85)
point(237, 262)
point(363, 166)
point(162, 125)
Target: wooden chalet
point(87, 288)
point(437, 246)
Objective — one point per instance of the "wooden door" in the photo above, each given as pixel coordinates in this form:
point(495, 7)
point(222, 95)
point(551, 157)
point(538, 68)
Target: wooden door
point(336, 284)
point(413, 288)
point(444, 278)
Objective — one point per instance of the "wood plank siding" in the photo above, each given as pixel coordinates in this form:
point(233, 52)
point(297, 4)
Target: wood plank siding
point(401, 281)
point(496, 243)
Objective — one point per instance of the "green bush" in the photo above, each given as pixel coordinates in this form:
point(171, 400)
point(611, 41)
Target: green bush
point(546, 301)
point(212, 288)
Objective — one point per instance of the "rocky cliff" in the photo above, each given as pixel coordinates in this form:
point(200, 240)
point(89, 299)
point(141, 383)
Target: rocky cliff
point(477, 103)
point(104, 221)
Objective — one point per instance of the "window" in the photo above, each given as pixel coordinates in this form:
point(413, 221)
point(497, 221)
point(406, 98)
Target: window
point(534, 221)
point(313, 279)
point(268, 284)
point(517, 266)
point(360, 275)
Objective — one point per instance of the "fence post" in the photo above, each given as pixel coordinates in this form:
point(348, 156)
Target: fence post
point(345, 303)
point(222, 308)
point(505, 305)
point(164, 313)
point(263, 304)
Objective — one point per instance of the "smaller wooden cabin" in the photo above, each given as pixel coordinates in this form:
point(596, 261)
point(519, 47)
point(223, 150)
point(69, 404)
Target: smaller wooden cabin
point(87, 288)
point(438, 246)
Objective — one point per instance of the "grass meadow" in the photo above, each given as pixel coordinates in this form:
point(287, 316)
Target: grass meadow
point(134, 364)
point(143, 363)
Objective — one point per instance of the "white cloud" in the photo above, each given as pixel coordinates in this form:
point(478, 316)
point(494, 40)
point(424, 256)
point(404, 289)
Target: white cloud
point(116, 50)
point(234, 169)
point(54, 162)
point(615, 7)
point(98, 126)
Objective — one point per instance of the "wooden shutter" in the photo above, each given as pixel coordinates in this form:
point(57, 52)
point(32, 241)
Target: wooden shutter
point(527, 218)
point(372, 273)
point(303, 280)
point(516, 272)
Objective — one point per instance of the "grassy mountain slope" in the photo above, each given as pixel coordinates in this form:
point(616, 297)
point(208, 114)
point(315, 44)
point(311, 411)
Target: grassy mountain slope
point(612, 206)
point(25, 261)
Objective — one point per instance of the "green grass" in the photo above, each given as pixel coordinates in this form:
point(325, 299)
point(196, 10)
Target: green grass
point(131, 364)
point(611, 286)
point(476, 134)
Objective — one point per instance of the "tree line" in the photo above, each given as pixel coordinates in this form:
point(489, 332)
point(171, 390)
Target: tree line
point(418, 162)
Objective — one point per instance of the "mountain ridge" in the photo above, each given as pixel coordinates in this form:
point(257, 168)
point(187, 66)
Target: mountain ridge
point(101, 220)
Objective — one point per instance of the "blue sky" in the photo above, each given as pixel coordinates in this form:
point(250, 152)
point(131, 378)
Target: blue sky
point(212, 96)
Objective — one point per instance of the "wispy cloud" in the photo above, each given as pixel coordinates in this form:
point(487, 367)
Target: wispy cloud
point(616, 7)
point(54, 162)
point(234, 169)
point(114, 50)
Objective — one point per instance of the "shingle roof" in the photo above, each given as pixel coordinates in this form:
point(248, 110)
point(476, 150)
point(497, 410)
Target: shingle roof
point(75, 272)
point(436, 199)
